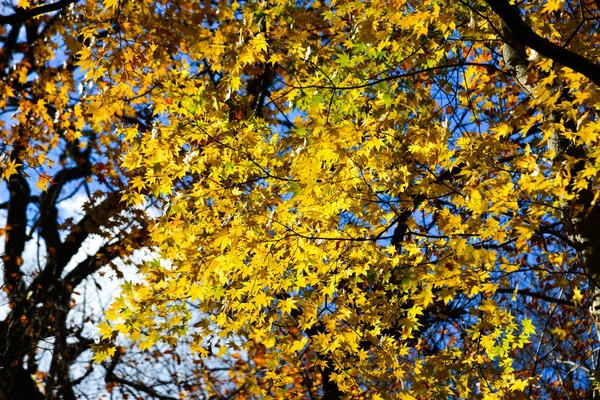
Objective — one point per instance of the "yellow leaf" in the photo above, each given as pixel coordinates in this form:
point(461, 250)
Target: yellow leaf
point(222, 240)
point(10, 169)
point(44, 180)
point(528, 327)
point(100, 356)
point(553, 5)
point(287, 305)
point(299, 344)
point(519, 385)
point(577, 296)
point(108, 4)
point(406, 396)
point(105, 330)
point(488, 305)
point(477, 202)
point(425, 296)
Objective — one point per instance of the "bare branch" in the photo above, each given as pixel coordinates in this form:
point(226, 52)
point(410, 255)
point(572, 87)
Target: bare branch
point(22, 15)
point(541, 296)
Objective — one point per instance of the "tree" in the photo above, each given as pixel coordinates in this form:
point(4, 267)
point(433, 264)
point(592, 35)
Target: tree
point(361, 199)
point(65, 226)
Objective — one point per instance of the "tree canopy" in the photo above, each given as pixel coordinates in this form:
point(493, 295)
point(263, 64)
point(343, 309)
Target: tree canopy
point(383, 199)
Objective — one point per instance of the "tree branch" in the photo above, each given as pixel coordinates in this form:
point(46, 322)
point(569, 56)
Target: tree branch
point(106, 253)
point(48, 211)
point(16, 236)
point(139, 386)
point(541, 296)
point(22, 15)
point(511, 17)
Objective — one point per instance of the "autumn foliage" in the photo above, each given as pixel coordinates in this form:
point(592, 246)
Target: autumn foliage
point(387, 199)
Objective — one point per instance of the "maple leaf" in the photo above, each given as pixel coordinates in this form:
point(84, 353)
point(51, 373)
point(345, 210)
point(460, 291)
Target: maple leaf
point(10, 168)
point(44, 180)
point(553, 5)
point(109, 4)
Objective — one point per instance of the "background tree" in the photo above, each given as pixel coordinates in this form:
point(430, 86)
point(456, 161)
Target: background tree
point(66, 233)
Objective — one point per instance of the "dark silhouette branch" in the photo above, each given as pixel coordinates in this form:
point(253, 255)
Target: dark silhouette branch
point(407, 74)
point(106, 254)
point(536, 295)
point(22, 15)
point(139, 386)
point(16, 236)
point(48, 202)
point(526, 36)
